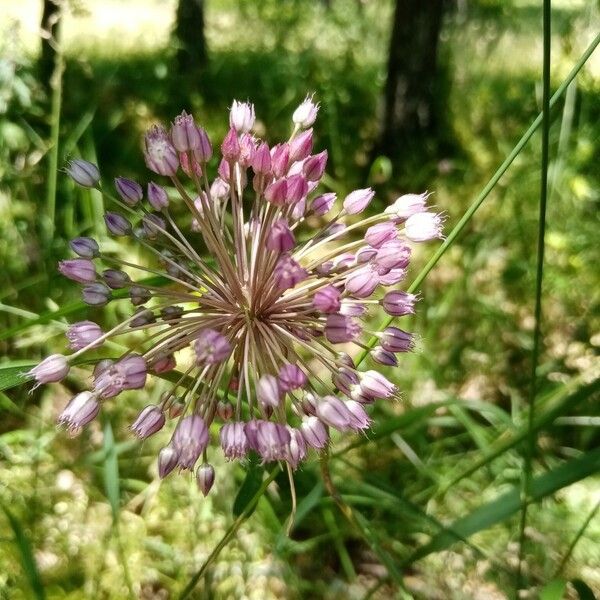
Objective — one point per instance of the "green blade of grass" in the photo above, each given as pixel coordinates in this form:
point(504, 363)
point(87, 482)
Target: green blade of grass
point(111, 471)
point(508, 504)
point(26, 552)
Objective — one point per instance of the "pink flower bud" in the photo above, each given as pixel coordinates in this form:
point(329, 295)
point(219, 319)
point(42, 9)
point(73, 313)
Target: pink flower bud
point(211, 347)
point(83, 173)
point(327, 300)
point(322, 204)
point(84, 334)
point(190, 440)
point(314, 432)
point(301, 145)
point(296, 449)
point(161, 155)
point(184, 133)
point(52, 369)
point(314, 166)
point(272, 440)
point(287, 273)
point(394, 339)
point(407, 205)
point(305, 115)
point(117, 224)
point(383, 357)
point(392, 277)
point(81, 270)
point(291, 377)
point(394, 254)
point(230, 148)
point(203, 152)
point(280, 159)
point(148, 422)
point(362, 282)
point(378, 234)
point(296, 189)
point(340, 329)
point(241, 116)
point(356, 201)
point(205, 477)
point(82, 409)
point(96, 294)
point(233, 440)
point(164, 364)
point(276, 192)
point(280, 237)
point(374, 385)
point(261, 160)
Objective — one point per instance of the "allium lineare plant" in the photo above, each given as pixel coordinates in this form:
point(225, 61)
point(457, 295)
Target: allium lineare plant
point(269, 283)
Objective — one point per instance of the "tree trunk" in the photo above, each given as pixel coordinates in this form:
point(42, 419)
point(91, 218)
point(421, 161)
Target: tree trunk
point(189, 32)
point(50, 15)
point(412, 75)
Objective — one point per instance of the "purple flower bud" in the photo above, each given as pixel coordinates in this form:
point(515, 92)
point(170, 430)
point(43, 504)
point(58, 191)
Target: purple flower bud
point(203, 152)
point(233, 440)
point(81, 270)
point(129, 373)
point(336, 413)
point(392, 277)
point(164, 364)
point(184, 133)
point(85, 247)
point(115, 279)
point(362, 282)
point(224, 410)
point(314, 166)
point(272, 441)
point(148, 422)
point(157, 196)
point(161, 155)
point(153, 225)
point(96, 294)
point(299, 208)
point(424, 226)
point(378, 234)
point(280, 159)
point(117, 224)
point(407, 205)
point(352, 308)
point(301, 145)
point(365, 254)
point(394, 339)
point(211, 347)
point(171, 313)
point(280, 237)
point(190, 440)
point(130, 191)
point(83, 173)
point(287, 273)
point(139, 295)
point(343, 261)
point(168, 458)
point(374, 385)
point(359, 418)
point(82, 409)
point(296, 450)
point(261, 160)
point(314, 432)
point(219, 189)
point(230, 148)
point(205, 477)
point(340, 329)
point(247, 149)
point(269, 392)
point(189, 165)
point(297, 188)
point(383, 357)
point(394, 254)
point(52, 369)
point(241, 116)
point(176, 409)
point(356, 201)
point(398, 304)
point(345, 379)
point(276, 192)
point(327, 300)
point(305, 115)
point(291, 377)
point(322, 204)
point(84, 334)
point(251, 431)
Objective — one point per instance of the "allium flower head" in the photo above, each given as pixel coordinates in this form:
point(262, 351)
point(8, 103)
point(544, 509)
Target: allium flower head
point(253, 305)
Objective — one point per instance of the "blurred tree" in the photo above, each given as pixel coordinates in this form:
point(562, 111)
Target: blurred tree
point(412, 75)
point(189, 33)
point(50, 16)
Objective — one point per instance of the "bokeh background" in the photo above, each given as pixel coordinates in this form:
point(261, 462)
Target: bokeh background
point(414, 96)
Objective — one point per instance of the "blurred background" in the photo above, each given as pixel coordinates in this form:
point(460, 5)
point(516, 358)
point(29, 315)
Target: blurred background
point(414, 96)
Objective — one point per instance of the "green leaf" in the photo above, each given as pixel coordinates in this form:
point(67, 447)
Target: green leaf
point(111, 470)
point(509, 503)
point(554, 590)
point(583, 589)
point(12, 374)
point(27, 559)
point(249, 488)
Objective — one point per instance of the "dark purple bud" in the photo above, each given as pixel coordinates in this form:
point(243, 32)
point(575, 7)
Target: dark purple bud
point(205, 477)
point(84, 334)
point(144, 316)
point(398, 304)
point(394, 339)
point(161, 156)
point(82, 172)
point(230, 148)
point(176, 409)
point(211, 347)
point(139, 295)
point(383, 357)
point(96, 294)
point(52, 369)
point(327, 300)
point(340, 329)
point(374, 385)
point(378, 234)
point(82, 409)
point(322, 204)
point(167, 461)
point(314, 166)
point(233, 440)
point(280, 237)
point(157, 196)
point(117, 224)
point(291, 377)
point(148, 422)
point(203, 153)
point(164, 364)
point(190, 440)
point(301, 145)
point(85, 247)
point(81, 270)
point(130, 191)
point(224, 410)
point(171, 313)
point(356, 201)
point(184, 133)
point(115, 279)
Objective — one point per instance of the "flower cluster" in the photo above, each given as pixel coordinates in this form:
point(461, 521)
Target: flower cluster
point(260, 286)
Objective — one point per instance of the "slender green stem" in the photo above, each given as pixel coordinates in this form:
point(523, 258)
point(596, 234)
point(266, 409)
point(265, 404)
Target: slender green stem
point(531, 436)
point(488, 187)
point(231, 531)
point(56, 85)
